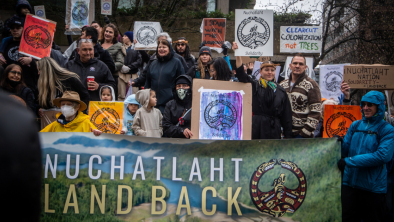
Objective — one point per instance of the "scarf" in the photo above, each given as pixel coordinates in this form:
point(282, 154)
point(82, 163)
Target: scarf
point(264, 83)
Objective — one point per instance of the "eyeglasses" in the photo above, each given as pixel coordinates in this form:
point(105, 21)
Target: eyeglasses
point(212, 70)
point(16, 73)
point(367, 104)
point(181, 44)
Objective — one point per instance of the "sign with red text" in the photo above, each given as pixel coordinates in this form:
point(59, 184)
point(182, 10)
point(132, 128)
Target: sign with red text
point(369, 76)
point(300, 39)
point(37, 37)
point(214, 32)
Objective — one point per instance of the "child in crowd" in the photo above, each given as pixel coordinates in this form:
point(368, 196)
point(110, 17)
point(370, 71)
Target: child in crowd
point(130, 108)
point(107, 94)
point(148, 119)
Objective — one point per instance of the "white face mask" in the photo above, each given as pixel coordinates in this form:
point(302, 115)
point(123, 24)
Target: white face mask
point(67, 111)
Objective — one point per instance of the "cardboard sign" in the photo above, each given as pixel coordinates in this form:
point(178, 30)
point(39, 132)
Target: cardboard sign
point(106, 116)
point(78, 14)
point(309, 68)
point(214, 32)
point(106, 7)
point(330, 80)
point(37, 37)
point(369, 76)
point(300, 39)
point(145, 33)
point(338, 118)
point(223, 113)
point(254, 32)
point(40, 11)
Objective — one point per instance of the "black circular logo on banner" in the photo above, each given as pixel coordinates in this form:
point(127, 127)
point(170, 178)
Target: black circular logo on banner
point(146, 35)
point(80, 12)
point(106, 6)
point(220, 114)
point(106, 120)
point(253, 32)
point(335, 126)
point(37, 37)
point(280, 199)
point(333, 81)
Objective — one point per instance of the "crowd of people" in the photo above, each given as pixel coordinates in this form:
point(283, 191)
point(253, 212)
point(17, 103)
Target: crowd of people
point(102, 66)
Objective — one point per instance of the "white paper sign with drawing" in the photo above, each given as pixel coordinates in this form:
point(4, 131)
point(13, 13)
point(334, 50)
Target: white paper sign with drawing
point(40, 11)
point(145, 33)
point(254, 32)
point(330, 80)
point(106, 7)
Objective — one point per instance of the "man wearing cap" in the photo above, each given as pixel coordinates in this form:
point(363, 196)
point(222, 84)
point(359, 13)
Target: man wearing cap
point(11, 56)
point(183, 49)
point(71, 118)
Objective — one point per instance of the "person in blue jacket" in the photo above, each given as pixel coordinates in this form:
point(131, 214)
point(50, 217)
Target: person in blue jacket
point(366, 149)
point(130, 108)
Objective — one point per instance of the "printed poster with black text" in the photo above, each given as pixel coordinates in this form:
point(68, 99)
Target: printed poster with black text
point(254, 32)
point(130, 178)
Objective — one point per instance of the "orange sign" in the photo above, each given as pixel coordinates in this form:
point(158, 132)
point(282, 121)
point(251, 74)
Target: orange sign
point(338, 118)
point(214, 32)
point(37, 37)
point(106, 116)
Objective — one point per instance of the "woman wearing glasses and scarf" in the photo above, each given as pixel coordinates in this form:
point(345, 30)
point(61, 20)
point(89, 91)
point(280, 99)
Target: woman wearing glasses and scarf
point(270, 104)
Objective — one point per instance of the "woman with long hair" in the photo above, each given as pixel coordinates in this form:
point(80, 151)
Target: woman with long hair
point(110, 43)
point(219, 69)
point(12, 83)
point(54, 80)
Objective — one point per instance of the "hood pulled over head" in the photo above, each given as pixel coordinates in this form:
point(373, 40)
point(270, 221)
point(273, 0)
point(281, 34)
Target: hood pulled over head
point(143, 97)
point(377, 98)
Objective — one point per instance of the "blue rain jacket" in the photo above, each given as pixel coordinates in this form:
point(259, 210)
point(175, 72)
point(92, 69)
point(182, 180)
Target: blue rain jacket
point(366, 157)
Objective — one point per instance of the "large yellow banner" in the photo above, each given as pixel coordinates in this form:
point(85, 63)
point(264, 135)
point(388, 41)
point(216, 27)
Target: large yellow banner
point(106, 116)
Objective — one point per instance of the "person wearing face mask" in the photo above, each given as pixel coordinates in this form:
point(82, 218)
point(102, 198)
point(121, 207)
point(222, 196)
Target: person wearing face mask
point(71, 118)
point(162, 73)
point(12, 83)
point(270, 104)
point(177, 114)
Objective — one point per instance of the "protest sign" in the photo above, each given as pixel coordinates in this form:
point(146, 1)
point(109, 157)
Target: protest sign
point(369, 76)
point(117, 177)
point(37, 37)
point(254, 32)
point(338, 118)
point(221, 111)
point(300, 39)
point(106, 7)
point(145, 33)
point(214, 32)
point(309, 68)
point(330, 80)
point(107, 116)
point(40, 11)
point(78, 14)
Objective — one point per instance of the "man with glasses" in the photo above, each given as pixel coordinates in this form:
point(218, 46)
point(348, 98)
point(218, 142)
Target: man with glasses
point(305, 99)
point(183, 49)
point(86, 65)
point(366, 152)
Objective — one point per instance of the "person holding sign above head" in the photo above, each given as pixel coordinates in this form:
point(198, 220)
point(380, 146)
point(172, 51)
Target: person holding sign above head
point(367, 152)
point(71, 118)
point(270, 104)
point(305, 98)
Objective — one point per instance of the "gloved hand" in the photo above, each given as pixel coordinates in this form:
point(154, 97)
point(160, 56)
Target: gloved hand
point(106, 20)
point(201, 45)
point(339, 138)
point(224, 47)
point(341, 164)
point(125, 69)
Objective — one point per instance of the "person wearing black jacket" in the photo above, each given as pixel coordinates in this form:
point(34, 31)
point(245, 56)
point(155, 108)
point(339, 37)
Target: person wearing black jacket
point(270, 104)
point(161, 74)
point(177, 114)
point(132, 62)
point(183, 49)
point(85, 65)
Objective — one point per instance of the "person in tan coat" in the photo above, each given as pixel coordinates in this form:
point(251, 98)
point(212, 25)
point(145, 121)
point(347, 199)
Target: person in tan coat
point(147, 119)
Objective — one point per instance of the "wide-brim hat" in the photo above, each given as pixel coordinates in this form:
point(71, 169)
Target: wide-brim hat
point(70, 96)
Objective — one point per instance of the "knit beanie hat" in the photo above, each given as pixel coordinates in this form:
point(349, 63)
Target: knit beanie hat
point(183, 80)
point(205, 49)
point(130, 35)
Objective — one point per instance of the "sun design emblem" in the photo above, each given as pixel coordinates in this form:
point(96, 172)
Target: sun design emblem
point(37, 37)
point(106, 120)
point(280, 199)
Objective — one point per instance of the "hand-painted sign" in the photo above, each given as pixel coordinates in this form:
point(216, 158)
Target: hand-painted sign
point(369, 76)
point(107, 116)
point(37, 37)
point(214, 32)
point(338, 118)
point(106, 7)
point(300, 39)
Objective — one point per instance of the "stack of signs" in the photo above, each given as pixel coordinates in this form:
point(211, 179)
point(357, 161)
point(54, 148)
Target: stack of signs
point(338, 118)
point(106, 7)
point(330, 80)
point(214, 33)
point(309, 68)
point(40, 11)
point(300, 39)
point(78, 14)
point(37, 37)
point(145, 33)
point(254, 32)
point(107, 116)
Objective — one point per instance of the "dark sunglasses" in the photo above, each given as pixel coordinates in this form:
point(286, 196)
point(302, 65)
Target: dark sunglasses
point(366, 103)
point(181, 44)
point(16, 72)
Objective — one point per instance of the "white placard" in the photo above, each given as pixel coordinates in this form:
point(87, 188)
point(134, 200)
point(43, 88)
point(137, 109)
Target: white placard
point(300, 39)
point(39, 10)
point(79, 14)
point(256, 70)
point(145, 33)
point(309, 68)
point(277, 72)
point(254, 32)
point(106, 7)
point(330, 80)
